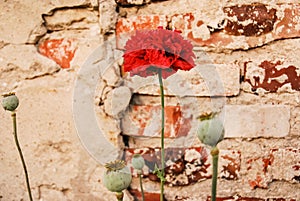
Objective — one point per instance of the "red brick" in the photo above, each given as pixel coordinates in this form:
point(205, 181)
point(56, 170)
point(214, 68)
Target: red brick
point(238, 198)
point(127, 26)
point(59, 50)
point(148, 196)
point(145, 120)
point(271, 76)
point(187, 165)
point(278, 164)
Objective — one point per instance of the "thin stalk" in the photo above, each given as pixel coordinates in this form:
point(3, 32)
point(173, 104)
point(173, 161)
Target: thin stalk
point(120, 196)
point(141, 186)
point(215, 156)
point(14, 118)
point(162, 138)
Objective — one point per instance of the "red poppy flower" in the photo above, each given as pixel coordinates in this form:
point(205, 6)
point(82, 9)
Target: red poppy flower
point(148, 52)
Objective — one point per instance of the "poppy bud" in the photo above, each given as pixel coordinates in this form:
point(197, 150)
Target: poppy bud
point(211, 131)
point(10, 101)
point(117, 176)
point(138, 162)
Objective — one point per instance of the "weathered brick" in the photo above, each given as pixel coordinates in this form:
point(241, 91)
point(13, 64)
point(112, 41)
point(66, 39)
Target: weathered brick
point(250, 121)
point(146, 121)
point(240, 198)
point(243, 27)
point(127, 27)
point(250, 20)
point(278, 164)
point(148, 196)
point(245, 121)
point(187, 165)
point(151, 196)
point(203, 80)
point(271, 76)
point(230, 164)
point(60, 50)
point(155, 197)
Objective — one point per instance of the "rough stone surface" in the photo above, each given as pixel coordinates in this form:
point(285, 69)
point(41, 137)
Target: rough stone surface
point(112, 76)
point(108, 16)
point(15, 67)
point(13, 13)
point(117, 100)
point(28, 17)
point(72, 18)
point(58, 166)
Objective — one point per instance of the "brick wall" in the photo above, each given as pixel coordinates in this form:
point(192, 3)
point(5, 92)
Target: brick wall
point(246, 57)
point(247, 68)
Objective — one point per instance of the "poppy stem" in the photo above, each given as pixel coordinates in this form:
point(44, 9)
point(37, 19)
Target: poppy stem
point(119, 196)
point(215, 155)
point(14, 118)
point(162, 179)
point(141, 186)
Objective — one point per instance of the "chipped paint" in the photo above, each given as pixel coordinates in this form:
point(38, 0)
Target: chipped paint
point(289, 23)
point(240, 198)
point(245, 26)
point(146, 119)
point(126, 27)
point(261, 171)
point(60, 50)
point(231, 169)
point(268, 76)
point(249, 20)
point(185, 166)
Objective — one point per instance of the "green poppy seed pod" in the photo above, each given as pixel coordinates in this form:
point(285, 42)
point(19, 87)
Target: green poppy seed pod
point(10, 101)
point(138, 162)
point(117, 176)
point(211, 131)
